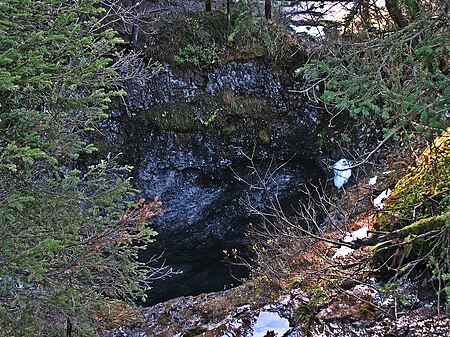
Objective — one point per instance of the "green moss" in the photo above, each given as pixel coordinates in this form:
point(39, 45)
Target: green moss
point(418, 212)
point(170, 117)
point(307, 311)
point(264, 136)
point(184, 116)
point(364, 310)
point(424, 191)
point(221, 116)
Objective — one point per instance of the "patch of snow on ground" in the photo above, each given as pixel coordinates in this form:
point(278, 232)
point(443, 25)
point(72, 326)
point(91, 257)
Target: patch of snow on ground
point(316, 31)
point(373, 180)
point(378, 201)
point(359, 234)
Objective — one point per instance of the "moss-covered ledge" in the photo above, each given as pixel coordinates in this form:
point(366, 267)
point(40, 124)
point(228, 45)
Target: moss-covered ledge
point(414, 228)
point(420, 229)
point(424, 191)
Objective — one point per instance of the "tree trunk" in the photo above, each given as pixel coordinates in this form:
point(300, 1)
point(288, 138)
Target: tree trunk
point(208, 6)
point(365, 13)
point(136, 22)
point(229, 14)
point(395, 13)
point(68, 328)
point(268, 9)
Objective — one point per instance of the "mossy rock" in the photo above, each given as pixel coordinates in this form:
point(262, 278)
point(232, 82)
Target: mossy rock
point(424, 191)
point(223, 116)
point(418, 211)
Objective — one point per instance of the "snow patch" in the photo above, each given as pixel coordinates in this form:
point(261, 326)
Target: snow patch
point(378, 201)
point(373, 181)
point(314, 31)
point(359, 234)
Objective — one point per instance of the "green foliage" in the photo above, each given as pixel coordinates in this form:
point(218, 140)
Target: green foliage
point(65, 237)
point(198, 55)
point(442, 276)
point(390, 81)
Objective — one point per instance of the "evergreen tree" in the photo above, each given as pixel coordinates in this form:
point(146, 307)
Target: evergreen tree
point(65, 235)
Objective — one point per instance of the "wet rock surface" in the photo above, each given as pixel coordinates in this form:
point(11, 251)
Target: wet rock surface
point(189, 136)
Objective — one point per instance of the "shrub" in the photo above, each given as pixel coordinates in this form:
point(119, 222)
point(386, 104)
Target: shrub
point(69, 237)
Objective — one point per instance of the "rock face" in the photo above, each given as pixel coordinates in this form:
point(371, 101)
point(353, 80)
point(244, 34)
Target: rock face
point(188, 137)
point(344, 314)
point(168, 85)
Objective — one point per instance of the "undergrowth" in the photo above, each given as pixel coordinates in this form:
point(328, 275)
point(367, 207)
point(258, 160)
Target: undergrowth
point(201, 40)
